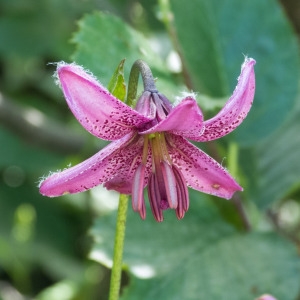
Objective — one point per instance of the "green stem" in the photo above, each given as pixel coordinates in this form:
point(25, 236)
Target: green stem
point(139, 67)
point(116, 272)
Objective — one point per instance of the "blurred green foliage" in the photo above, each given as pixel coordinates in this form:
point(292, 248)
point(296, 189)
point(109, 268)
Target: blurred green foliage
point(45, 243)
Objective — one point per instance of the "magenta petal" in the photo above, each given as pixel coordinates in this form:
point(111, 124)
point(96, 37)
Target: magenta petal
point(185, 119)
point(145, 106)
point(123, 179)
point(100, 168)
point(96, 109)
point(236, 108)
point(200, 171)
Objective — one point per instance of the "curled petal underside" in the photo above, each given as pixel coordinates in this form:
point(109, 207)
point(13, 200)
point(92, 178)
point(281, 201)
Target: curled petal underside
point(236, 108)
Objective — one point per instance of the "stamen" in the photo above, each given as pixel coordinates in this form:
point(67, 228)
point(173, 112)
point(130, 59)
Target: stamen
point(170, 184)
point(182, 193)
point(164, 148)
point(137, 196)
point(183, 187)
point(142, 210)
point(154, 198)
point(145, 149)
point(157, 169)
point(179, 210)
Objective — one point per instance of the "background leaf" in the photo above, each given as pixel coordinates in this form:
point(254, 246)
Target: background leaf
point(116, 41)
point(244, 260)
point(44, 243)
point(199, 257)
point(275, 164)
point(213, 37)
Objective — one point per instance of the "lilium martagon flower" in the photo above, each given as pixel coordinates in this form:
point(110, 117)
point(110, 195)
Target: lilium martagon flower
point(150, 147)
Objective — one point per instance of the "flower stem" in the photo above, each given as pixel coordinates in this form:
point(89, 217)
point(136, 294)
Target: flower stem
point(139, 67)
point(116, 272)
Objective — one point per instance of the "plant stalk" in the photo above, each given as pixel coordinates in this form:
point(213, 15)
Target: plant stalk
point(116, 272)
point(139, 67)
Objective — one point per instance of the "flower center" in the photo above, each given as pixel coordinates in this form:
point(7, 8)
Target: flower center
point(166, 185)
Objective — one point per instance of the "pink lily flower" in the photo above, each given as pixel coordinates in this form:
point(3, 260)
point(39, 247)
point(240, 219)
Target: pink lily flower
point(150, 146)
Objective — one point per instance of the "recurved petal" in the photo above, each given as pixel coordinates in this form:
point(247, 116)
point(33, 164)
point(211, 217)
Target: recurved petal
point(185, 119)
point(116, 157)
point(95, 108)
point(200, 171)
point(236, 108)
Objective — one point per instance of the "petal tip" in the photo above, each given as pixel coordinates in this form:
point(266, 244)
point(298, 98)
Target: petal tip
point(248, 62)
point(237, 189)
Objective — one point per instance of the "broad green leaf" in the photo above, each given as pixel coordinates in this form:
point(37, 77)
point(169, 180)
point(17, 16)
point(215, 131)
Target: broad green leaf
point(213, 36)
point(32, 29)
point(198, 257)
point(156, 245)
point(275, 167)
point(117, 85)
point(116, 41)
point(237, 267)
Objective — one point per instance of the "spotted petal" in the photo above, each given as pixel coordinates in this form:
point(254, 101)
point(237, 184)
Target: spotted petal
point(236, 108)
point(95, 108)
point(185, 119)
point(123, 179)
point(114, 159)
point(200, 171)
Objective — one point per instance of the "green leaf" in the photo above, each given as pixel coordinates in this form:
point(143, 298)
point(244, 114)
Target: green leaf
point(213, 36)
point(198, 257)
point(156, 241)
point(275, 166)
point(32, 29)
point(238, 267)
point(117, 85)
point(116, 41)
